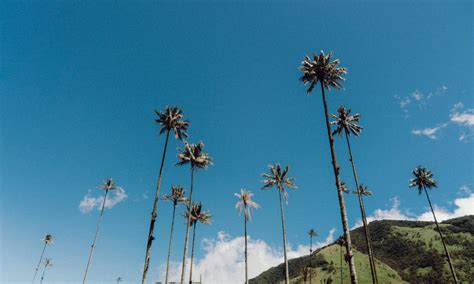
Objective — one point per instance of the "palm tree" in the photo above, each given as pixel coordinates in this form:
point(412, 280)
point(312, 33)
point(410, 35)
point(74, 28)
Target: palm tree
point(312, 233)
point(279, 178)
point(48, 240)
point(176, 196)
point(246, 204)
point(195, 213)
point(193, 155)
point(347, 123)
point(321, 69)
point(169, 120)
point(119, 279)
point(47, 263)
point(423, 180)
point(108, 185)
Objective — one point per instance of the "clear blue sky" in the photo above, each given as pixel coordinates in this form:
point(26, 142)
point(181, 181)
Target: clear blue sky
point(79, 83)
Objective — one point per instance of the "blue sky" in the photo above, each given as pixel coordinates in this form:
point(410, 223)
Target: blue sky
point(79, 83)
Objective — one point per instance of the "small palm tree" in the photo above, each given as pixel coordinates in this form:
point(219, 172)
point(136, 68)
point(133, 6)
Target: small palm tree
point(347, 124)
point(169, 120)
point(279, 178)
point(176, 196)
point(424, 180)
point(193, 155)
point(312, 233)
point(48, 240)
point(108, 185)
point(321, 69)
point(196, 215)
point(47, 263)
point(246, 204)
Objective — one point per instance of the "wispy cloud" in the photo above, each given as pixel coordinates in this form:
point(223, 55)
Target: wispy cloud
point(418, 98)
point(431, 133)
point(223, 260)
point(88, 203)
point(464, 118)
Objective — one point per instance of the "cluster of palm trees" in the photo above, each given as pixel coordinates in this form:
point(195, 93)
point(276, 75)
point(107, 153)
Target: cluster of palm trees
point(319, 68)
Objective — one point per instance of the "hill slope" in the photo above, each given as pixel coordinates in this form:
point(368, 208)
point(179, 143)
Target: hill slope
point(406, 251)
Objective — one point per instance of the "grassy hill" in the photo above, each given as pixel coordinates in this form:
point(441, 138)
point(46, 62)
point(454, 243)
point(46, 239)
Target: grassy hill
point(406, 251)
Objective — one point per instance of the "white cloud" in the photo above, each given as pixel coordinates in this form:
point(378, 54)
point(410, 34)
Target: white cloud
point(223, 260)
point(464, 119)
point(431, 133)
point(419, 98)
point(88, 203)
point(465, 189)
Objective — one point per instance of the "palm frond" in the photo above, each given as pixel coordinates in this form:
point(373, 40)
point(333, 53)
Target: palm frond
point(278, 178)
point(172, 120)
point(245, 203)
point(423, 179)
point(346, 122)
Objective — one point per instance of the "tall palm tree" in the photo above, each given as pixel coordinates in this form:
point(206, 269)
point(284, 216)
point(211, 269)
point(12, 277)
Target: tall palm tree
point(47, 263)
point(424, 180)
point(347, 124)
point(321, 69)
point(279, 178)
point(193, 155)
point(48, 240)
point(312, 233)
point(246, 204)
point(108, 185)
point(176, 196)
point(169, 120)
point(196, 215)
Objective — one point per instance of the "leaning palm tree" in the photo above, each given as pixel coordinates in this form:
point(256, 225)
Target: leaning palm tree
point(48, 240)
point(47, 263)
point(321, 69)
point(246, 204)
point(108, 185)
point(169, 120)
point(279, 178)
point(347, 124)
point(424, 180)
point(195, 213)
point(176, 196)
point(312, 233)
point(193, 155)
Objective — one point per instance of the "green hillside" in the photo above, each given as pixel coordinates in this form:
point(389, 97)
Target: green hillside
point(406, 251)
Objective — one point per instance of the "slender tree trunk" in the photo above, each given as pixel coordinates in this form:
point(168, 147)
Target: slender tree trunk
point(455, 278)
point(342, 205)
point(342, 278)
point(42, 275)
point(39, 263)
point(192, 254)
point(287, 276)
point(95, 237)
point(185, 254)
point(246, 261)
point(310, 255)
point(362, 212)
point(169, 245)
point(153, 213)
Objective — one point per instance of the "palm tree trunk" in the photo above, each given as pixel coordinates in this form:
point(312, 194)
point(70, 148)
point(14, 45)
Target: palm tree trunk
point(192, 254)
point(185, 254)
point(362, 212)
point(246, 261)
point(455, 278)
point(95, 237)
point(39, 263)
point(342, 278)
point(42, 275)
point(342, 205)
point(169, 245)
point(287, 277)
point(153, 213)
point(310, 255)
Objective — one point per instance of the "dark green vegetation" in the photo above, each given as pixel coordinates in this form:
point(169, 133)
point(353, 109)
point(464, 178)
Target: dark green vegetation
point(405, 251)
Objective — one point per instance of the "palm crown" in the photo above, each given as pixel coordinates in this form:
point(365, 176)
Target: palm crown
point(423, 179)
point(278, 178)
point(312, 233)
point(172, 119)
point(346, 122)
point(176, 196)
point(344, 187)
point(197, 215)
point(48, 239)
point(321, 69)
point(363, 190)
point(48, 262)
point(246, 203)
point(108, 184)
point(193, 154)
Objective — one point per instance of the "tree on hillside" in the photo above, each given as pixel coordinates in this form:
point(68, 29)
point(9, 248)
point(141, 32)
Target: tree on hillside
point(312, 233)
point(321, 69)
point(246, 204)
point(48, 241)
point(424, 180)
point(278, 177)
point(193, 155)
point(347, 124)
point(169, 120)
